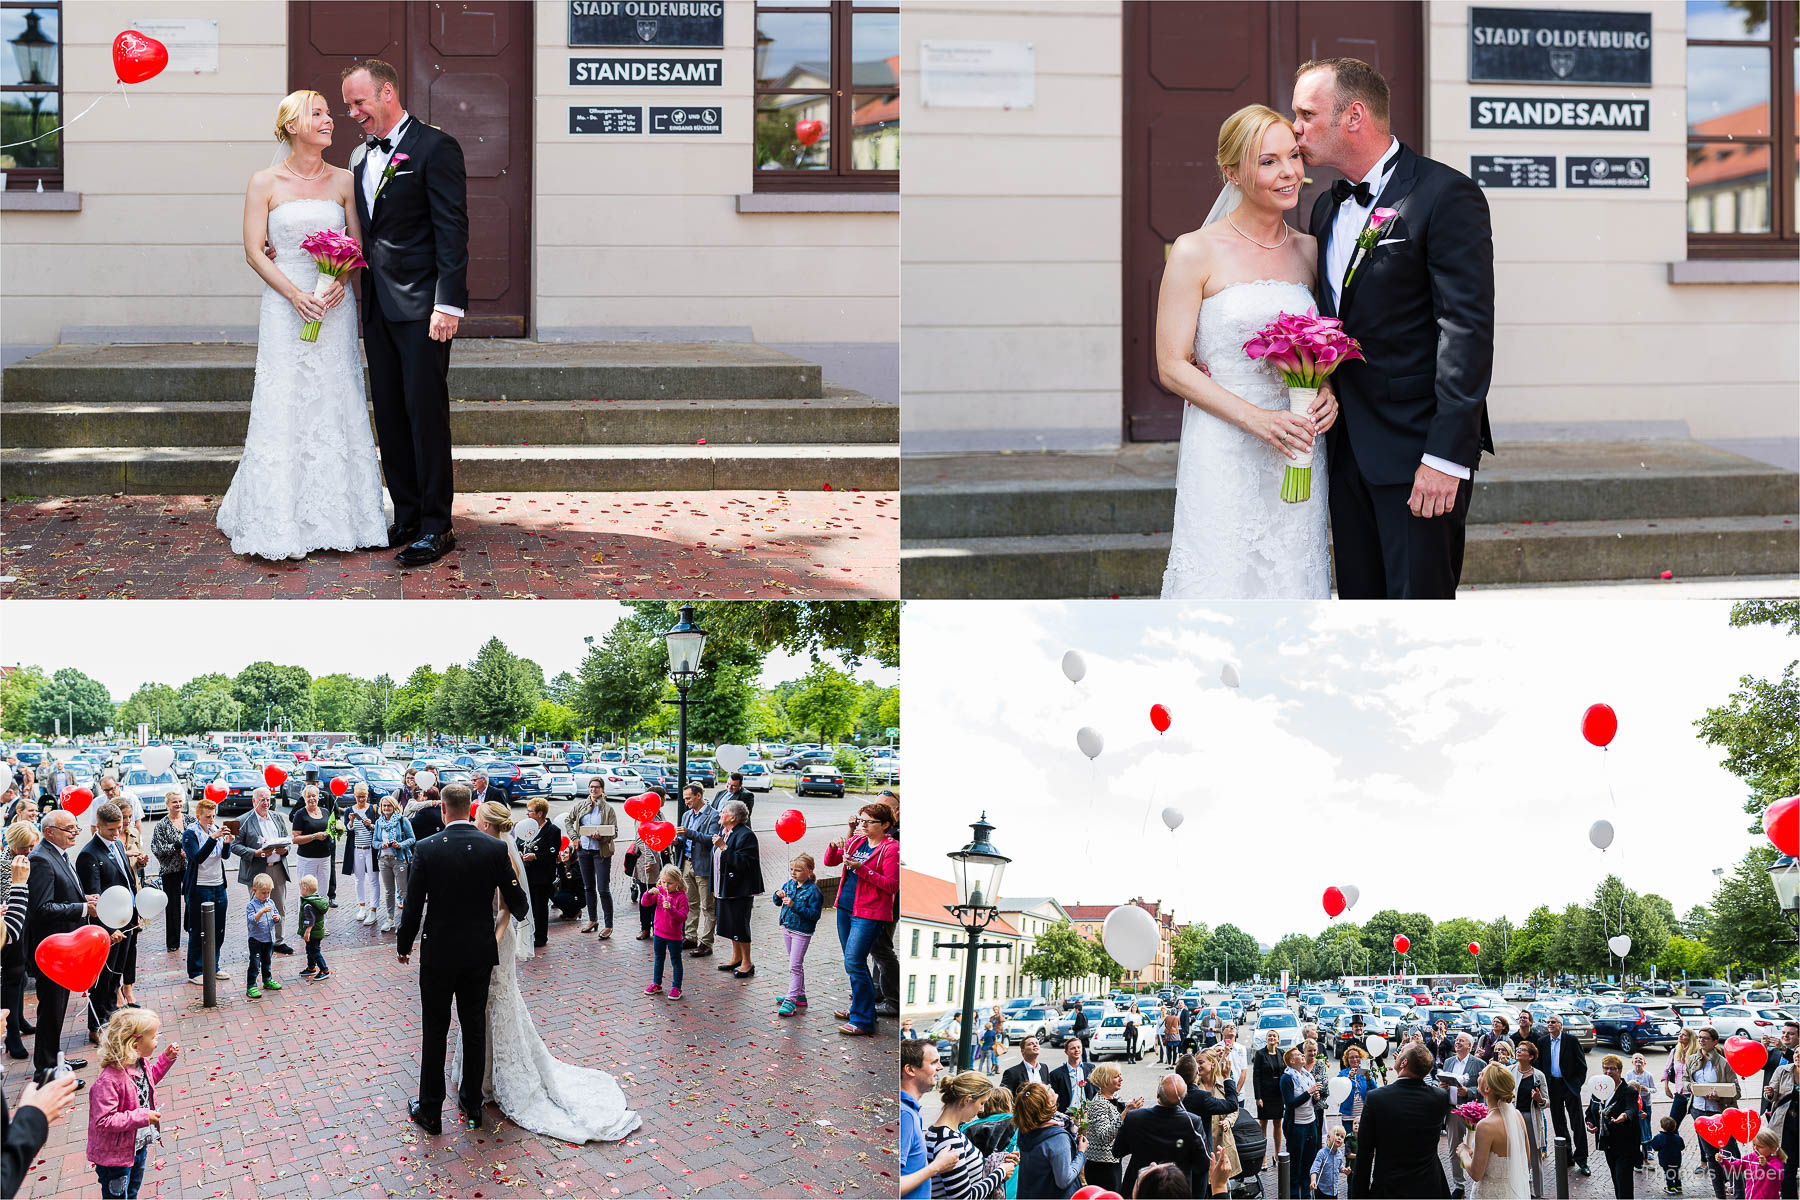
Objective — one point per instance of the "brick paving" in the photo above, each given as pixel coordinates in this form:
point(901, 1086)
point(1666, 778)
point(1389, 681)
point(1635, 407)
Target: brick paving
point(303, 1093)
point(836, 545)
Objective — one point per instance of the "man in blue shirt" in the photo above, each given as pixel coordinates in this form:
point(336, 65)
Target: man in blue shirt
point(918, 1075)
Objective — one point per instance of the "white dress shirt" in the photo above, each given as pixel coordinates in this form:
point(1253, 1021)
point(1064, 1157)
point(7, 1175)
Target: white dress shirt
point(1340, 247)
point(375, 161)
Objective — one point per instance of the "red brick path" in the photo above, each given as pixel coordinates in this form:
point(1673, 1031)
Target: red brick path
point(567, 545)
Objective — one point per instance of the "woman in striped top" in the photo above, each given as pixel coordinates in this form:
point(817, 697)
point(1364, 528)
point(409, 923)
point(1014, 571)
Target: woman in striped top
point(975, 1175)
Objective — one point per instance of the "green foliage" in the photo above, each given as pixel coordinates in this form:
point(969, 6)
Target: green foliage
point(1643, 923)
point(1186, 951)
point(207, 704)
point(274, 697)
point(409, 710)
point(444, 712)
point(1296, 953)
point(552, 719)
point(17, 688)
point(562, 689)
point(1228, 954)
point(1379, 931)
point(1533, 945)
point(856, 629)
point(154, 704)
point(1061, 954)
point(339, 702)
point(824, 703)
point(1758, 726)
point(92, 705)
point(849, 760)
point(1453, 938)
point(499, 690)
point(1339, 950)
point(621, 679)
point(1684, 955)
point(1102, 964)
point(1747, 925)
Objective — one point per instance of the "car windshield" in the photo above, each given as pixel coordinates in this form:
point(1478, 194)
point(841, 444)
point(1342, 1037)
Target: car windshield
point(238, 777)
point(145, 778)
point(381, 774)
point(1277, 1020)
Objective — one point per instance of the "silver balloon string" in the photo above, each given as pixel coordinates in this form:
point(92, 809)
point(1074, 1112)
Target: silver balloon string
point(84, 112)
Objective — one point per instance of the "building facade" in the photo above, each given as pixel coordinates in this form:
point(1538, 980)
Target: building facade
point(1090, 919)
point(1639, 160)
point(932, 970)
point(1031, 917)
point(657, 168)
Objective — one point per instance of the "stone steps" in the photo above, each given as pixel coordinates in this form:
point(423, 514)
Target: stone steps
point(170, 470)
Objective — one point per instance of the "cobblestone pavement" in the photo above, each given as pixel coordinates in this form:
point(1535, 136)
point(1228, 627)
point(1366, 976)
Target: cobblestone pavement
point(567, 545)
point(1141, 1080)
point(303, 1093)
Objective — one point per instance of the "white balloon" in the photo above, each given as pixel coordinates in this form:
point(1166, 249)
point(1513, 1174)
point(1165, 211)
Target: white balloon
point(114, 909)
point(1601, 834)
point(151, 902)
point(1091, 744)
point(1228, 675)
point(1172, 817)
point(1338, 1090)
point(1352, 894)
point(426, 780)
point(1620, 944)
point(1074, 666)
point(5, 776)
point(1131, 937)
point(1598, 1085)
point(158, 759)
point(1377, 1045)
point(730, 757)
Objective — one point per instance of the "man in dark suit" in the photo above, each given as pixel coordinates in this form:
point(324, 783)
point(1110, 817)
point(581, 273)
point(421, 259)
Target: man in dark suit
point(450, 892)
point(485, 791)
point(1396, 1143)
point(1167, 1133)
point(735, 790)
point(100, 865)
point(1420, 300)
point(1564, 1064)
point(57, 905)
point(1027, 1070)
point(1071, 1075)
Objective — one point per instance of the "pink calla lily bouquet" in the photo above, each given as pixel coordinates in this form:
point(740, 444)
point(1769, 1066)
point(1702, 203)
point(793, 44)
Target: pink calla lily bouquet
point(336, 252)
point(1305, 349)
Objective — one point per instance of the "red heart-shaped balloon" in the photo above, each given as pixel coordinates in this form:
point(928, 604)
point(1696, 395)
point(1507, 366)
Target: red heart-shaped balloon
point(1781, 821)
point(216, 791)
point(76, 800)
point(74, 959)
point(137, 57)
point(1745, 1055)
point(808, 133)
point(790, 826)
point(1713, 1130)
point(274, 774)
point(1742, 1124)
point(646, 807)
point(658, 835)
point(565, 843)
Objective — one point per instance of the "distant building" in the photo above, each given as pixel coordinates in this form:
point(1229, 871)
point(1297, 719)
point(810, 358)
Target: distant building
point(1031, 916)
point(1089, 918)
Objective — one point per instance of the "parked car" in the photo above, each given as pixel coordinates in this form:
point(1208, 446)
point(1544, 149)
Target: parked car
point(240, 788)
point(1743, 1020)
point(757, 777)
point(1629, 1026)
point(803, 760)
point(559, 780)
point(1036, 1021)
point(654, 777)
point(150, 788)
point(1108, 1037)
point(1714, 997)
point(1285, 1024)
point(201, 773)
point(1575, 1020)
point(382, 780)
point(822, 778)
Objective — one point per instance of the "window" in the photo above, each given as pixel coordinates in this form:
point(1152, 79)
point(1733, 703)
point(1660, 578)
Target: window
point(912, 982)
point(31, 96)
point(822, 67)
point(950, 989)
point(934, 943)
point(982, 990)
point(931, 990)
point(1740, 129)
point(915, 944)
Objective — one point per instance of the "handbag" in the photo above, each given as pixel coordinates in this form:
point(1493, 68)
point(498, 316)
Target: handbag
point(1224, 1139)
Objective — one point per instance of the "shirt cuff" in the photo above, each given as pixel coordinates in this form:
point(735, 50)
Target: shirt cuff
point(458, 313)
point(1446, 466)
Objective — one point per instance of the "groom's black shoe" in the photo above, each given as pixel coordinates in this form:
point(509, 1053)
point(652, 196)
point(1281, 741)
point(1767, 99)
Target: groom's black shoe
point(402, 535)
point(429, 1122)
point(427, 549)
point(471, 1119)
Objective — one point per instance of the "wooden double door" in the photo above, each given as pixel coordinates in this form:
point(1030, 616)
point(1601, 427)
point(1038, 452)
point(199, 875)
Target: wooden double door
point(466, 68)
point(1189, 65)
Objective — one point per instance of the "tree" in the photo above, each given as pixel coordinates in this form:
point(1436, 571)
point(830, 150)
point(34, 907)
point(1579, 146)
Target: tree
point(1534, 944)
point(1340, 951)
point(1379, 931)
point(1758, 727)
point(1696, 923)
point(765, 720)
point(1453, 938)
point(339, 702)
point(154, 704)
point(274, 697)
point(379, 692)
point(17, 687)
point(1617, 909)
point(1296, 953)
point(410, 708)
point(1186, 950)
point(69, 690)
point(499, 691)
point(1060, 955)
point(552, 719)
point(444, 712)
point(855, 629)
point(620, 681)
point(1748, 927)
point(825, 703)
point(207, 704)
point(1103, 965)
point(562, 689)
point(1685, 956)
point(1230, 953)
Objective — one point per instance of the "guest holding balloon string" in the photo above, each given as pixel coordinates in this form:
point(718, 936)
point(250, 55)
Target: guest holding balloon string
point(21, 840)
point(699, 825)
point(873, 858)
point(1764, 1169)
point(737, 882)
point(1640, 1079)
point(1616, 1130)
point(1708, 1065)
point(101, 866)
point(171, 862)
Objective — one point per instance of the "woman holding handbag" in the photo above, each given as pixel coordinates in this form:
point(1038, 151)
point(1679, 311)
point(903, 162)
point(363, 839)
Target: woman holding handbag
point(171, 863)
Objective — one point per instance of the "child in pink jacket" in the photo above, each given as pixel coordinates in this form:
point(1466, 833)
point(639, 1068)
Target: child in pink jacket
point(1763, 1167)
point(669, 897)
point(123, 1119)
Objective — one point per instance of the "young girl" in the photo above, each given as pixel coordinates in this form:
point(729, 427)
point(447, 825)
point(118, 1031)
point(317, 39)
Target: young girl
point(800, 904)
point(669, 899)
point(122, 1115)
point(1763, 1167)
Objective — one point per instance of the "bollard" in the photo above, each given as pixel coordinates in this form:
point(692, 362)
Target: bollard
point(1562, 1166)
point(1283, 1176)
point(209, 957)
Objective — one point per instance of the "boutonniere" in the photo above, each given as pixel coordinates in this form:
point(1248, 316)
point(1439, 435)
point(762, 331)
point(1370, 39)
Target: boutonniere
point(393, 167)
point(1365, 241)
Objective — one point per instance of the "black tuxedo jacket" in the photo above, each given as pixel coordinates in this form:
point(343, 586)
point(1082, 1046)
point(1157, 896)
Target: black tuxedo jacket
point(1014, 1077)
point(1162, 1135)
point(1422, 308)
point(1396, 1144)
point(1059, 1083)
point(416, 239)
point(97, 868)
point(451, 893)
point(58, 905)
point(1574, 1061)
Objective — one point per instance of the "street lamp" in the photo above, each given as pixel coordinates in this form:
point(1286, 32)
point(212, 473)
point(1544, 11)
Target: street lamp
point(978, 868)
point(685, 642)
point(1784, 873)
point(36, 56)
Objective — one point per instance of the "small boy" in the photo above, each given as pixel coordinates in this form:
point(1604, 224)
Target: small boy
point(259, 916)
point(1327, 1163)
point(313, 908)
point(800, 904)
point(1668, 1146)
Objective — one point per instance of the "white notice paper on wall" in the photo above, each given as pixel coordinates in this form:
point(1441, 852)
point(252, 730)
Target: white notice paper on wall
point(193, 44)
point(977, 74)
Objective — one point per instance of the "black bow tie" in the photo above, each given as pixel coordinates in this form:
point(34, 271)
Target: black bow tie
point(1343, 189)
point(387, 147)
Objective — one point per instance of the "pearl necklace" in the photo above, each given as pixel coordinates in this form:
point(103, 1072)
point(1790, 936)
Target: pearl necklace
point(324, 169)
point(1253, 241)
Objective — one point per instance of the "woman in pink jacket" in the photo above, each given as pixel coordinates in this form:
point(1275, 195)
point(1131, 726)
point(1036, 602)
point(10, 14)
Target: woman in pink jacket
point(871, 878)
point(123, 1119)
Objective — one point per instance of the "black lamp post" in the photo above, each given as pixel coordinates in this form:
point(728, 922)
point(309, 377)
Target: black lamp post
point(978, 868)
point(685, 642)
point(1784, 873)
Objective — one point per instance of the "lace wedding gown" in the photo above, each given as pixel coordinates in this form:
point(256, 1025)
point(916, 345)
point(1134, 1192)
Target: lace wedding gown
point(532, 1087)
point(309, 478)
point(1234, 538)
point(1509, 1174)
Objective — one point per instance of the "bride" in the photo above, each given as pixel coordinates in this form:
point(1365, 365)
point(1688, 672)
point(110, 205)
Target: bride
point(1233, 536)
point(1498, 1165)
point(534, 1089)
point(309, 478)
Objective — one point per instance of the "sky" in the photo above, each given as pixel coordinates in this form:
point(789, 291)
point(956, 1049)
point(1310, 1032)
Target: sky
point(1429, 754)
point(124, 643)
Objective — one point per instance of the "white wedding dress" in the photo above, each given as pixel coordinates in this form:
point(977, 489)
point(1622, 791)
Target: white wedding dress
point(532, 1087)
point(1509, 1174)
point(309, 478)
point(1234, 538)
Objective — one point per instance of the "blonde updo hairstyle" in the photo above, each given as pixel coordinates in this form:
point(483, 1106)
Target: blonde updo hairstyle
point(295, 108)
point(1241, 136)
point(968, 1087)
point(497, 815)
point(1499, 1081)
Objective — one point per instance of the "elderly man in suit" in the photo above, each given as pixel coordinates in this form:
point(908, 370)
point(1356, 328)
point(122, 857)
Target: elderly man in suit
point(102, 864)
point(1564, 1064)
point(57, 905)
point(1168, 1133)
point(1467, 1068)
point(483, 791)
point(1072, 1081)
point(1397, 1137)
point(264, 841)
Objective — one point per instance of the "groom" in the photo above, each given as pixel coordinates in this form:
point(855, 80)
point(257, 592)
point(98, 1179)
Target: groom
point(415, 230)
point(1421, 303)
point(451, 889)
